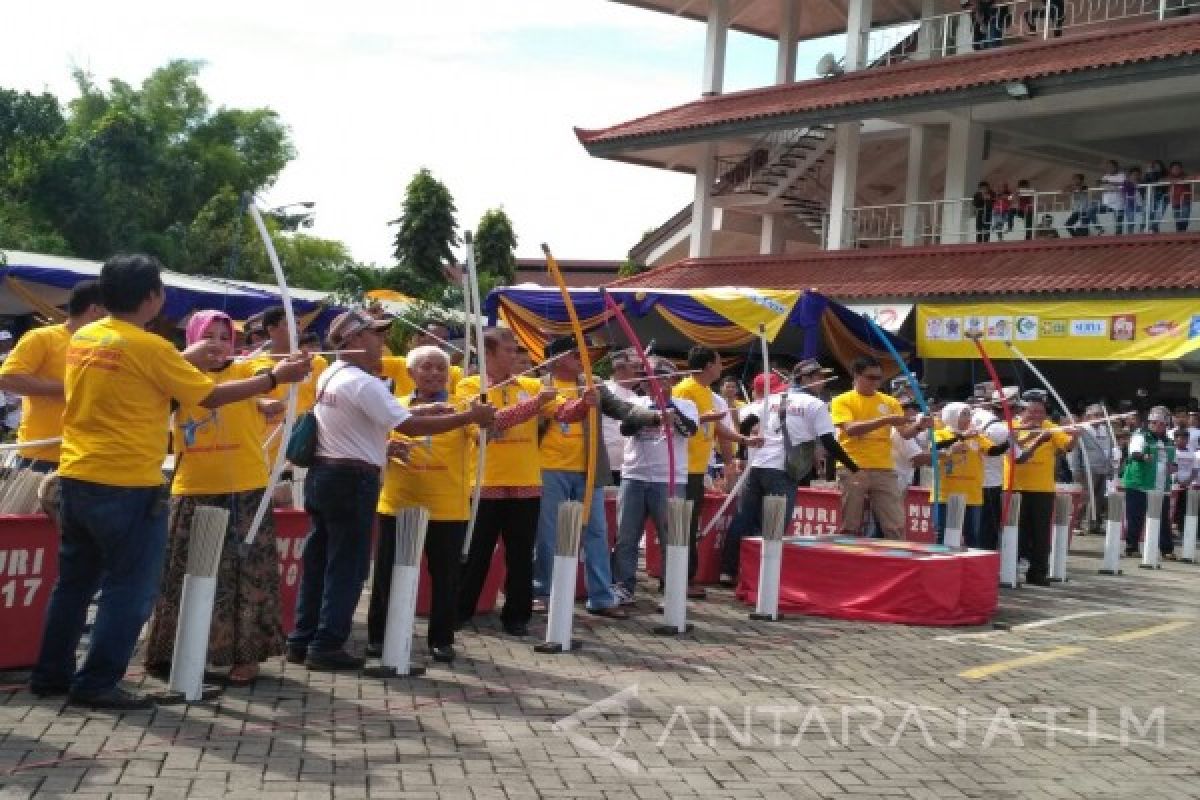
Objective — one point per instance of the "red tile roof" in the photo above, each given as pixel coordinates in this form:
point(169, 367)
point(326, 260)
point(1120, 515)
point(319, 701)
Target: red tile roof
point(1127, 45)
point(1135, 263)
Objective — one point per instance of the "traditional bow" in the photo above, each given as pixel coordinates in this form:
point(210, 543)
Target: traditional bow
point(475, 317)
point(589, 382)
point(660, 397)
point(1008, 422)
point(1087, 467)
point(289, 417)
point(920, 398)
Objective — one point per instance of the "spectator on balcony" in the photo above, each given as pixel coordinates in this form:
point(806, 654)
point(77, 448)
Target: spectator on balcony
point(982, 201)
point(1156, 193)
point(1180, 192)
point(988, 20)
point(1083, 215)
point(1133, 196)
point(1053, 9)
point(1002, 204)
point(1112, 199)
point(1023, 208)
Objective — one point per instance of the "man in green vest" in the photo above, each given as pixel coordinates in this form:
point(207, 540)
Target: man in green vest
point(1151, 461)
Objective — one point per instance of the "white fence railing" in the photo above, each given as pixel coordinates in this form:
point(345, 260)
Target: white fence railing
point(1012, 23)
point(1165, 207)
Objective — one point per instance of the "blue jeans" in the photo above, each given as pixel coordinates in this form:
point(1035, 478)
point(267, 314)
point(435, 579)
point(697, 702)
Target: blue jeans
point(761, 482)
point(114, 540)
point(972, 522)
point(559, 486)
point(341, 502)
point(637, 501)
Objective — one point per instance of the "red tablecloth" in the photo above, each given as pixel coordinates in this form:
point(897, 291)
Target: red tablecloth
point(28, 569)
point(878, 581)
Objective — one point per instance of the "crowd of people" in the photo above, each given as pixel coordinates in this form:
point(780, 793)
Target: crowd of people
point(395, 432)
point(1132, 200)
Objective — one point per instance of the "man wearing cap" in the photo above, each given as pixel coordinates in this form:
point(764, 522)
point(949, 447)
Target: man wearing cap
point(355, 416)
point(36, 368)
point(564, 444)
point(985, 420)
point(1151, 458)
point(1037, 446)
point(790, 423)
point(865, 417)
point(1096, 446)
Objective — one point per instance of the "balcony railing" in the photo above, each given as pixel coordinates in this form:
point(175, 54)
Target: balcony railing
point(1152, 208)
point(1012, 23)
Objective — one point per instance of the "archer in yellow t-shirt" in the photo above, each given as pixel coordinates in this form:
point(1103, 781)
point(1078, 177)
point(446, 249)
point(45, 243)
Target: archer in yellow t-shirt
point(36, 368)
point(961, 451)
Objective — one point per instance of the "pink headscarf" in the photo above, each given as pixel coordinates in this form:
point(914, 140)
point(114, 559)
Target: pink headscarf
point(201, 321)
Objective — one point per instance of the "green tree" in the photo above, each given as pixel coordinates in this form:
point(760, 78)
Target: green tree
point(428, 232)
point(495, 248)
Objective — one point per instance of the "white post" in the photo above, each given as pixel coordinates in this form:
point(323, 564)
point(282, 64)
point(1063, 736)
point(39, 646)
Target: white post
point(700, 245)
point(964, 162)
point(298, 475)
point(1008, 544)
point(1112, 534)
point(766, 606)
point(402, 608)
point(1151, 557)
point(1060, 541)
point(916, 190)
point(1192, 498)
point(956, 509)
point(785, 55)
point(715, 36)
point(847, 134)
point(562, 603)
point(675, 589)
point(191, 636)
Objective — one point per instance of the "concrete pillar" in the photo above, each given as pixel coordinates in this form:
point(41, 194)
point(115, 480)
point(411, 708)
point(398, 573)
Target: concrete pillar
point(916, 187)
point(847, 134)
point(785, 55)
point(771, 240)
point(926, 39)
point(964, 164)
point(702, 204)
point(713, 78)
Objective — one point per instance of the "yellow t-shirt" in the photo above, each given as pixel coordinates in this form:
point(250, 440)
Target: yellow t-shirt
point(512, 455)
point(1036, 474)
point(873, 451)
point(306, 398)
point(562, 444)
point(220, 450)
point(396, 368)
point(120, 381)
point(961, 473)
point(41, 353)
point(438, 474)
point(700, 446)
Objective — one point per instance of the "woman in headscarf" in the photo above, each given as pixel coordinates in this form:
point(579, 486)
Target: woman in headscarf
point(219, 461)
point(961, 450)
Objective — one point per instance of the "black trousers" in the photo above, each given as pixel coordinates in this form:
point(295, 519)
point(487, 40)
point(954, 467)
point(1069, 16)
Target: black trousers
point(516, 520)
point(443, 549)
point(989, 522)
point(695, 493)
point(1033, 533)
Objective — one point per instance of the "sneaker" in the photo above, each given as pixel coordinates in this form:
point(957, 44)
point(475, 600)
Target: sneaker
point(623, 595)
point(442, 653)
point(333, 660)
point(115, 699)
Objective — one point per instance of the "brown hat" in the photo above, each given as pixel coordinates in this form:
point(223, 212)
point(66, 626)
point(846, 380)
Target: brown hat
point(352, 323)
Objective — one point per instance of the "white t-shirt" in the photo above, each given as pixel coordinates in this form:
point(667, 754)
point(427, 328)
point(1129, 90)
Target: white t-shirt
point(1112, 195)
point(1185, 465)
point(903, 452)
point(614, 442)
point(645, 457)
point(807, 419)
point(355, 415)
point(995, 429)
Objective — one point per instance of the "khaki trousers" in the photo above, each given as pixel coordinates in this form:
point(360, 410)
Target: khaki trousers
point(887, 502)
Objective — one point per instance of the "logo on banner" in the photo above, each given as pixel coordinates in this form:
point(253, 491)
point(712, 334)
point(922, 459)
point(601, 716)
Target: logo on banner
point(1089, 327)
point(975, 326)
point(1164, 327)
point(1053, 328)
point(934, 329)
point(952, 331)
point(1124, 328)
point(1194, 327)
point(1026, 328)
point(999, 328)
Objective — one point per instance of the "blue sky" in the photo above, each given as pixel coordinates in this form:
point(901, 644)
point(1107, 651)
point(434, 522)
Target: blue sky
point(482, 92)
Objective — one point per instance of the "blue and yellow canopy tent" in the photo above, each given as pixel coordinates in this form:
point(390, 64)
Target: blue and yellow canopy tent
point(799, 323)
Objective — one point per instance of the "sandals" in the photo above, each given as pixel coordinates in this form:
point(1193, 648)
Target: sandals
point(242, 675)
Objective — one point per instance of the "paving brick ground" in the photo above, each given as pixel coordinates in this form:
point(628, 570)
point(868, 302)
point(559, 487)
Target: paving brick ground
point(1090, 691)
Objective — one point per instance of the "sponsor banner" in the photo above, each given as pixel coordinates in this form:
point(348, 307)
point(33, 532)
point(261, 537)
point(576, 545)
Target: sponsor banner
point(1149, 329)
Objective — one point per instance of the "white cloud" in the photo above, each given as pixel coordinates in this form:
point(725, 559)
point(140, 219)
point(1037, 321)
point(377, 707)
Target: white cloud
point(483, 92)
